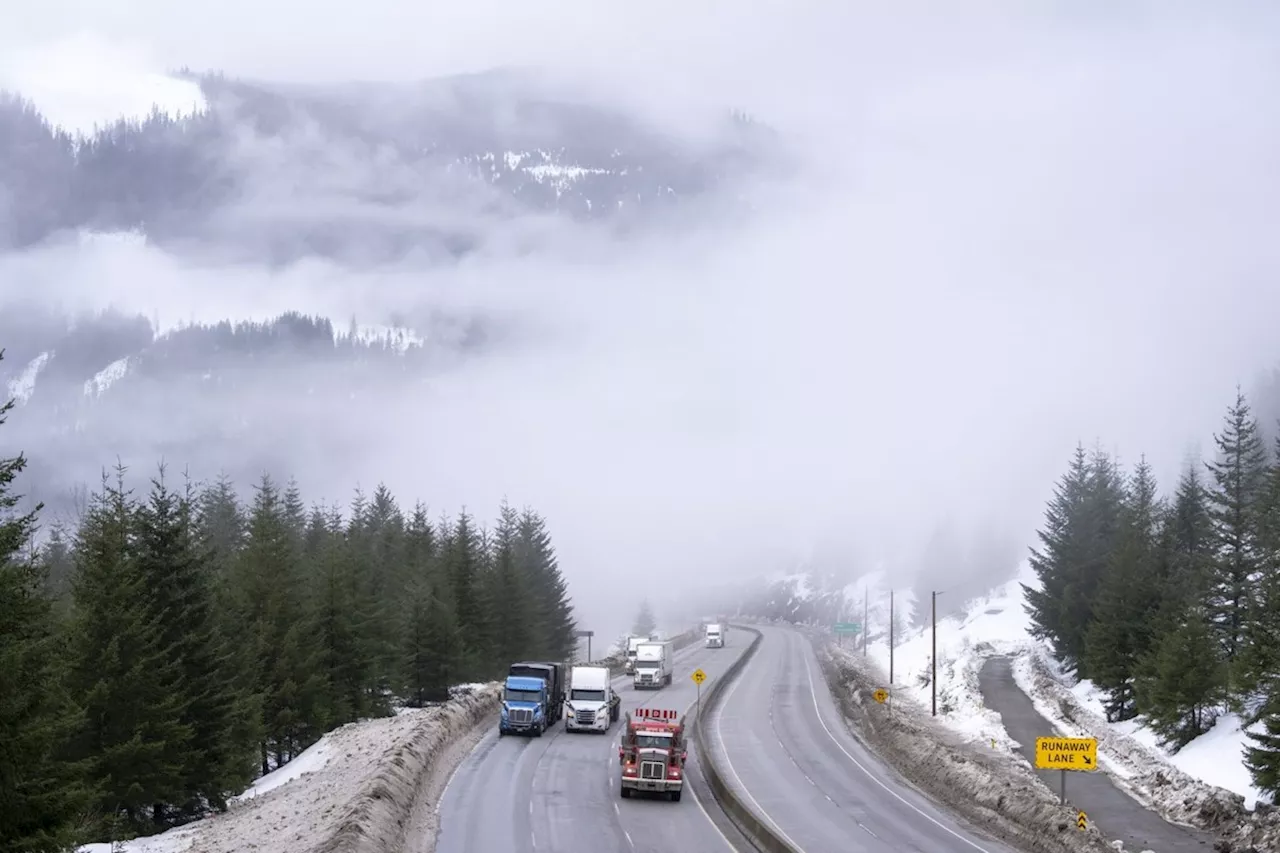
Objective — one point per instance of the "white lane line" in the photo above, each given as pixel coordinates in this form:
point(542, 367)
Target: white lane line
point(729, 764)
point(868, 830)
point(629, 841)
point(856, 763)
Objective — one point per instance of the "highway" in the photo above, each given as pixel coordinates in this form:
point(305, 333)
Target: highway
point(560, 792)
point(781, 743)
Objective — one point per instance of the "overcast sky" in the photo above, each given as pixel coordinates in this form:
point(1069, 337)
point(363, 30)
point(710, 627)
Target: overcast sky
point(1017, 226)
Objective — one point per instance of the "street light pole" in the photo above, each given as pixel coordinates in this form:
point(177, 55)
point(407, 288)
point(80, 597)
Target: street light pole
point(890, 638)
point(933, 680)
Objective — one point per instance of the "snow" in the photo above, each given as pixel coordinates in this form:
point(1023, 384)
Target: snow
point(24, 384)
point(105, 378)
point(82, 81)
point(354, 789)
point(400, 338)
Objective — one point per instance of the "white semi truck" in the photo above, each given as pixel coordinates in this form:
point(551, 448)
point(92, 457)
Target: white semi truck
point(653, 665)
point(590, 704)
point(715, 635)
point(632, 643)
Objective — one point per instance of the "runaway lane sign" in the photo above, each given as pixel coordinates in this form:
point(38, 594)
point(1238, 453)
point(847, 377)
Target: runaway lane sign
point(1067, 753)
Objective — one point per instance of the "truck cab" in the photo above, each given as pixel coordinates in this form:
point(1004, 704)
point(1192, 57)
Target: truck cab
point(632, 643)
point(524, 706)
point(653, 754)
point(715, 635)
point(591, 705)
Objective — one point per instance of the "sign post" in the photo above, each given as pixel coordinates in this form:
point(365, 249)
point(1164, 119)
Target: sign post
point(588, 635)
point(1066, 753)
point(698, 677)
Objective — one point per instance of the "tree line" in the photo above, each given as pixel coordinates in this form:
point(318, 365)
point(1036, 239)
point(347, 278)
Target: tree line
point(1170, 604)
point(176, 644)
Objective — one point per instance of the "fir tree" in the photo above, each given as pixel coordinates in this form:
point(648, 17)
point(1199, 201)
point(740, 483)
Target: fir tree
point(1129, 594)
point(463, 566)
point(122, 673)
point(644, 624)
point(1182, 689)
point(1261, 661)
point(41, 795)
point(509, 591)
point(1262, 755)
point(1239, 477)
point(554, 610)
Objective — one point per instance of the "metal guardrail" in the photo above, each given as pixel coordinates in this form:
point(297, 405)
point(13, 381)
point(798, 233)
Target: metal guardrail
point(757, 831)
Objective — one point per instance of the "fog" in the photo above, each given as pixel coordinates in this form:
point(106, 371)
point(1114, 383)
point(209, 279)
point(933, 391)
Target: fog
point(1010, 230)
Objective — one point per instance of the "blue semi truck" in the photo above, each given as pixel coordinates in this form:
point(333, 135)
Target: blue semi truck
point(532, 699)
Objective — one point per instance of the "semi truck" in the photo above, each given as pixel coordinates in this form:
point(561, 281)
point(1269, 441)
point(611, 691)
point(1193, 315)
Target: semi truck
point(653, 665)
point(715, 635)
point(632, 642)
point(553, 674)
point(525, 706)
point(591, 705)
point(653, 753)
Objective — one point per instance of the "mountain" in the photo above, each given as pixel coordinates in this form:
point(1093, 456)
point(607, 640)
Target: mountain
point(363, 173)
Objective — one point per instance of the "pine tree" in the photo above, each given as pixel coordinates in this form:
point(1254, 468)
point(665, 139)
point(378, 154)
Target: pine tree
point(1260, 664)
point(121, 671)
point(644, 624)
point(1181, 690)
point(463, 566)
point(554, 610)
point(1239, 477)
point(1262, 756)
point(41, 794)
point(1128, 597)
point(509, 592)
point(218, 761)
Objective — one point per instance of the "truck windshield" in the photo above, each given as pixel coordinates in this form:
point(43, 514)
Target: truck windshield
point(587, 695)
point(653, 741)
point(523, 695)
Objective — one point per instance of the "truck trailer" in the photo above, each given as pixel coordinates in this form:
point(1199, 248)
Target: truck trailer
point(653, 665)
point(632, 643)
point(653, 753)
point(715, 635)
point(553, 674)
point(591, 705)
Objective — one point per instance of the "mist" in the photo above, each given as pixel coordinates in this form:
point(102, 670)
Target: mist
point(998, 234)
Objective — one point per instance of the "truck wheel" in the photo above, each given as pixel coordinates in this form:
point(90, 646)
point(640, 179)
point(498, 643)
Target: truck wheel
point(675, 795)
point(626, 793)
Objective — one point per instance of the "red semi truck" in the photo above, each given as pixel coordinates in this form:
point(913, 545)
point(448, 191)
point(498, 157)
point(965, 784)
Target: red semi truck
point(653, 753)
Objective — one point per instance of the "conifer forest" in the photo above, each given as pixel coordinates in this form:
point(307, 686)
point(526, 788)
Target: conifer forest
point(1170, 602)
point(177, 642)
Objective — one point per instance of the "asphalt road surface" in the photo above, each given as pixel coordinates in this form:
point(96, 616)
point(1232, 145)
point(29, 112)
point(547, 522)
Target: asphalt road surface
point(782, 743)
point(560, 792)
point(1111, 810)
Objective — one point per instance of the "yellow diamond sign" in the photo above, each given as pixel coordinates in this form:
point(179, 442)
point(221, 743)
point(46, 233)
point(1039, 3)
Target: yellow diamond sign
point(698, 676)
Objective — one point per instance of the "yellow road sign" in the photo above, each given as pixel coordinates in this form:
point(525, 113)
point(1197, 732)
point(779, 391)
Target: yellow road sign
point(1082, 821)
point(1067, 753)
point(880, 695)
point(698, 676)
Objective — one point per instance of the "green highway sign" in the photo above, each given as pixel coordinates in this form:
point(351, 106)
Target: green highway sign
point(847, 628)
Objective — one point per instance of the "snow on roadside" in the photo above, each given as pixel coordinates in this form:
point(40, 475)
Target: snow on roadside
point(1145, 771)
point(325, 800)
point(993, 625)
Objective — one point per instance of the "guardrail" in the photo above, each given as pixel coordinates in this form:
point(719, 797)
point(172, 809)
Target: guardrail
point(760, 834)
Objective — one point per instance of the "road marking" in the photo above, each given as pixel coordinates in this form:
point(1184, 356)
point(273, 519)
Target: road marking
point(746, 793)
point(868, 830)
point(629, 841)
point(856, 763)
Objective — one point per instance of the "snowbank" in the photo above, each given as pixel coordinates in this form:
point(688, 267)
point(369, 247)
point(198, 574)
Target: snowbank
point(1144, 770)
point(992, 788)
point(352, 791)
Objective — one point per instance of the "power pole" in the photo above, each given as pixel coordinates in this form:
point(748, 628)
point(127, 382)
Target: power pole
point(891, 637)
point(865, 592)
point(933, 679)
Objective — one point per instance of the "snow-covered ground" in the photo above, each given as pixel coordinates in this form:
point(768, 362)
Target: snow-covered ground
point(345, 783)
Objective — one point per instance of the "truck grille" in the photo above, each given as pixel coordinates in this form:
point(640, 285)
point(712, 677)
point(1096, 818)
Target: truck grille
point(646, 678)
point(521, 716)
point(585, 718)
point(652, 770)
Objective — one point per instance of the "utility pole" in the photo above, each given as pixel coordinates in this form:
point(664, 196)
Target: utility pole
point(933, 679)
point(865, 593)
point(890, 638)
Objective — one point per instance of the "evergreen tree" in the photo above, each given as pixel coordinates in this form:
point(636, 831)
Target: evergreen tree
point(1239, 477)
point(219, 761)
point(1262, 756)
point(553, 608)
point(121, 671)
point(1129, 594)
point(463, 566)
point(1261, 661)
point(510, 591)
point(1182, 689)
point(41, 794)
point(644, 624)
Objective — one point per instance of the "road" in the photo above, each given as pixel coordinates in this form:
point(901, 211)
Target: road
point(781, 742)
point(560, 792)
point(1115, 813)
